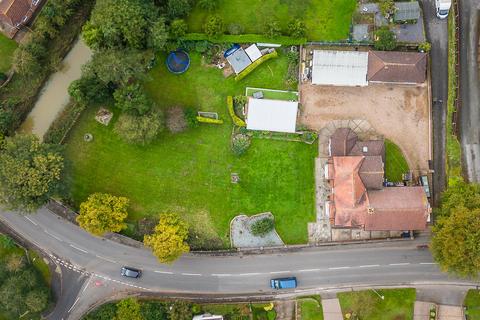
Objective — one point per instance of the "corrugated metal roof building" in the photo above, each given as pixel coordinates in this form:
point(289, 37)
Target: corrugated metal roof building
point(340, 68)
point(272, 115)
point(406, 11)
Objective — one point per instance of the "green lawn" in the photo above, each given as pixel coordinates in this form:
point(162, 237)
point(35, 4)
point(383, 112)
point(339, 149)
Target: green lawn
point(7, 47)
point(311, 309)
point(276, 95)
point(472, 302)
point(397, 305)
point(190, 173)
point(395, 162)
point(325, 19)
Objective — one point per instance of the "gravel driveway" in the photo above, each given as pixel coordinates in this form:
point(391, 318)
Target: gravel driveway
point(399, 113)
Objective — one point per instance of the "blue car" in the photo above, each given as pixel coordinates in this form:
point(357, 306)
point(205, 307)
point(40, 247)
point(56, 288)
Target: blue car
point(284, 283)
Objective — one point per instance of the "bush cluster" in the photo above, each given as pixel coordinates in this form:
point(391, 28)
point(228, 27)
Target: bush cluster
point(245, 72)
point(240, 144)
point(236, 120)
point(262, 227)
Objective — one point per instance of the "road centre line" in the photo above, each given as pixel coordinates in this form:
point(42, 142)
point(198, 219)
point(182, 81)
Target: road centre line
point(221, 274)
point(164, 272)
point(52, 235)
point(191, 274)
point(33, 222)
point(106, 259)
point(427, 263)
point(338, 268)
point(308, 270)
point(79, 249)
point(275, 272)
point(250, 274)
point(399, 264)
point(369, 266)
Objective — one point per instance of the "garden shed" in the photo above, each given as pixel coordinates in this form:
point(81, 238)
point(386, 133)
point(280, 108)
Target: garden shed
point(407, 11)
point(253, 52)
point(272, 115)
point(340, 68)
point(238, 59)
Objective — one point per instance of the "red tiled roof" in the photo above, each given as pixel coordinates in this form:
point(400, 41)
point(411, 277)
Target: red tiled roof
point(13, 12)
point(393, 66)
point(369, 148)
point(397, 208)
point(371, 172)
point(342, 141)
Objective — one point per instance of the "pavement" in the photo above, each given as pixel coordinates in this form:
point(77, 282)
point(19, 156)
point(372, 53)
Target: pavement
point(216, 276)
point(437, 35)
point(331, 309)
point(470, 88)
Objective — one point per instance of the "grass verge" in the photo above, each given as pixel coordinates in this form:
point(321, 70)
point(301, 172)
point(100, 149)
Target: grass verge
point(276, 95)
point(7, 47)
point(472, 302)
point(310, 309)
point(395, 163)
point(397, 304)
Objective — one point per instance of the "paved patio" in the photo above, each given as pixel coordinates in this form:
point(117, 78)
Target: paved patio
point(331, 309)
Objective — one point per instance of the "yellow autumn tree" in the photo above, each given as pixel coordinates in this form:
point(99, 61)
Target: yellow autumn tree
point(168, 242)
point(103, 212)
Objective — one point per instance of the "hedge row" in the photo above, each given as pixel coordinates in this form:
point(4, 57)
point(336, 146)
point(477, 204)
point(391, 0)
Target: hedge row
point(236, 120)
point(245, 72)
point(209, 120)
point(245, 38)
point(63, 123)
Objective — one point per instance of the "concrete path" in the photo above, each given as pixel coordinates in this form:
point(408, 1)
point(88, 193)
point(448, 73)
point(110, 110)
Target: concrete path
point(331, 309)
point(450, 313)
point(421, 310)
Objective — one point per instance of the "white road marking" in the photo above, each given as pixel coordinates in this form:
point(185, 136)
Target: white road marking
point(399, 264)
point(275, 272)
point(250, 274)
point(427, 263)
point(164, 272)
point(369, 266)
point(52, 235)
point(106, 259)
point(73, 305)
point(191, 274)
point(221, 275)
point(79, 249)
point(338, 268)
point(31, 220)
point(308, 270)
point(86, 285)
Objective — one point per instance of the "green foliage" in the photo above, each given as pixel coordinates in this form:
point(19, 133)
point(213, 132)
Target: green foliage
point(395, 162)
point(387, 8)
point(273, 29)
point(245, 72)
point(29, 57)
point(178, 28)
point(88, 90)
point(213, 26)
point(158, 36)
point(472, 304)
point(460, 194)
point(63, 123)
point(178, 8)
point(15, 262)
point(235, 28)
point(154, 310)
point(128, 309)
point(102, 213)
point(6, 242)
point(236, 120)
point(132, 99)
point(311, 308)
point(30, 172)
point(36, 300)
point(245, 38)
point(209, 120)
point(455, 242)
point(385, 39)
point(104, 312)
point(7, 48)
point(121, 24)
point(191, 117)
point(424, 47)
point(140, 129)
point(168, 242)
point(262, 227)
point(180, 310)
point(209, 5)
point(240, 144)
point(297, 28)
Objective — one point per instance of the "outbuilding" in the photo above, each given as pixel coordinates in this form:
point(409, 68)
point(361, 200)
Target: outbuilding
point(340, 68)
point(272, 115)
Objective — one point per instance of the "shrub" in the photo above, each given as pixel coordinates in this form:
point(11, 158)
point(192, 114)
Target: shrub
point(176, 120)
point(88, 90)
point(209, 5)
point(63, 123)
point(262, 227)
point(236, 120)
point(178, 28)
point(132, 99)
point(209, 120)
point(255, 64)
point(240, 144)
point(6, 242)
point(387, 8)
point(213, 26)
point(178, 8)
point(202, 46)
point(385, 39)
point(297, 28)
point(235, 28)
point(424, 47)
point(139, 129)
point(272, 29)
point(191, 117)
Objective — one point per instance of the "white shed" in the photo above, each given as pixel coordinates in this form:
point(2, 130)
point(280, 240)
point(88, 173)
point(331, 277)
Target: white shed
point(272, 115)
point(340, 68)
point(253, 52)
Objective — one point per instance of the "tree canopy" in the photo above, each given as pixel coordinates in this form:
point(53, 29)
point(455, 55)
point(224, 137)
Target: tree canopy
point(132, 99)
point(139, 129)
point(168, 242)
point(122, 24)
point(385, 39)
point(102, 213)
point(30, 172)
point(128, 309)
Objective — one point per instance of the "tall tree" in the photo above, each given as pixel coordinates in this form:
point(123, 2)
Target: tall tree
point(132, 99)
point(30, 172)
point(102, 213)
point(120, 24)
point(178, 8)
point(455, 242)
point(168, 242)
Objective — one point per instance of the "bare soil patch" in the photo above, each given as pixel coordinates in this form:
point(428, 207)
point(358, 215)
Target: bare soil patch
point(399, 113)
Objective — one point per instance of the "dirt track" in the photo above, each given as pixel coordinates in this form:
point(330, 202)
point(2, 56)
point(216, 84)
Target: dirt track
point(400, 113)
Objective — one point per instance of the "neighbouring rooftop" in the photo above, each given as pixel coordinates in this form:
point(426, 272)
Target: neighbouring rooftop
point(272, 115)
point(340, 68)
point(397, 67)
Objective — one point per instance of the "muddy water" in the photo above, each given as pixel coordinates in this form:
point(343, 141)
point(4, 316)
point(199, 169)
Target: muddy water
point(54, 95)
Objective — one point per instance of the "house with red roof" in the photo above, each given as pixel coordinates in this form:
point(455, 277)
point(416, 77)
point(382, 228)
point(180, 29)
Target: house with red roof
point(16, 13)
point(358, 198)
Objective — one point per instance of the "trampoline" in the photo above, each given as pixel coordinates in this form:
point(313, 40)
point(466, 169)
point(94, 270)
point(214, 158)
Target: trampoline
point(178, 61)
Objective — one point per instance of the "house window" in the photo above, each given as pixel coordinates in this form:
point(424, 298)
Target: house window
point(35, 2)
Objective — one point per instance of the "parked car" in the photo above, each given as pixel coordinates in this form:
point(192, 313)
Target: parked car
point(284, 283)
point(426, 186)
point(131, 272)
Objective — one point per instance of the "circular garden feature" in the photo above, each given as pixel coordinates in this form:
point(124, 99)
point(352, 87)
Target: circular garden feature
point(178, 61)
